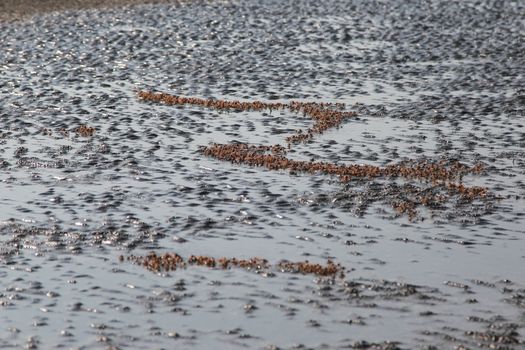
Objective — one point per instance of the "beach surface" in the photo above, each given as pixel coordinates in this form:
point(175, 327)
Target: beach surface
point(262, 174)
point(25, 9)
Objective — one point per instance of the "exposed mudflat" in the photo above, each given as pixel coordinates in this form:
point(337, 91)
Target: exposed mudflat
point(94, 178)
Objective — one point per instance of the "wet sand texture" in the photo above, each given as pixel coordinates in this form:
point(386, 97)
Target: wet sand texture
point(24, 9)
point(263, 175)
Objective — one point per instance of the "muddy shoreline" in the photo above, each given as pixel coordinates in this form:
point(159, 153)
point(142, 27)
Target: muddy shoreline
point(16, 10)
point(264, 174)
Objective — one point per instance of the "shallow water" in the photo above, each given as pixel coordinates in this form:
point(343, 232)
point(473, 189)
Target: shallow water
point(435, 80)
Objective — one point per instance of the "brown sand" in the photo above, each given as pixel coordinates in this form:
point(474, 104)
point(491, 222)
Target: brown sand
point(23, 9)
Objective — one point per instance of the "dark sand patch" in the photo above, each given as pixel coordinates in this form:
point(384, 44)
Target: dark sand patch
point(24, 9)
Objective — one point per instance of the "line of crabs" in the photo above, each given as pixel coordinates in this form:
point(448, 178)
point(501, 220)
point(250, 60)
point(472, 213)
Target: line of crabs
point(172, 262)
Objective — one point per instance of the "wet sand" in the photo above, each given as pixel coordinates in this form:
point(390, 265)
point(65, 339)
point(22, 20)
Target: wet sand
point(201, 220)
point(24, 9)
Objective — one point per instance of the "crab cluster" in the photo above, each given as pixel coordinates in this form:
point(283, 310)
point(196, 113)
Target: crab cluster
point(85, 130)
point(325, 115)
point(173, 261)
point(324, 118)
point(225, 263)
point(154, 262)
point(305, 267)
point(424, 170)
point(468, 193)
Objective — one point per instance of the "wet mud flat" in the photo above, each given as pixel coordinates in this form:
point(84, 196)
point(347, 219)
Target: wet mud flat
point(202, 219)
point(16, 10)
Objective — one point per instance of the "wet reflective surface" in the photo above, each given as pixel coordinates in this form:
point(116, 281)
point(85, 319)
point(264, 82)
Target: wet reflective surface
point(438, 81)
